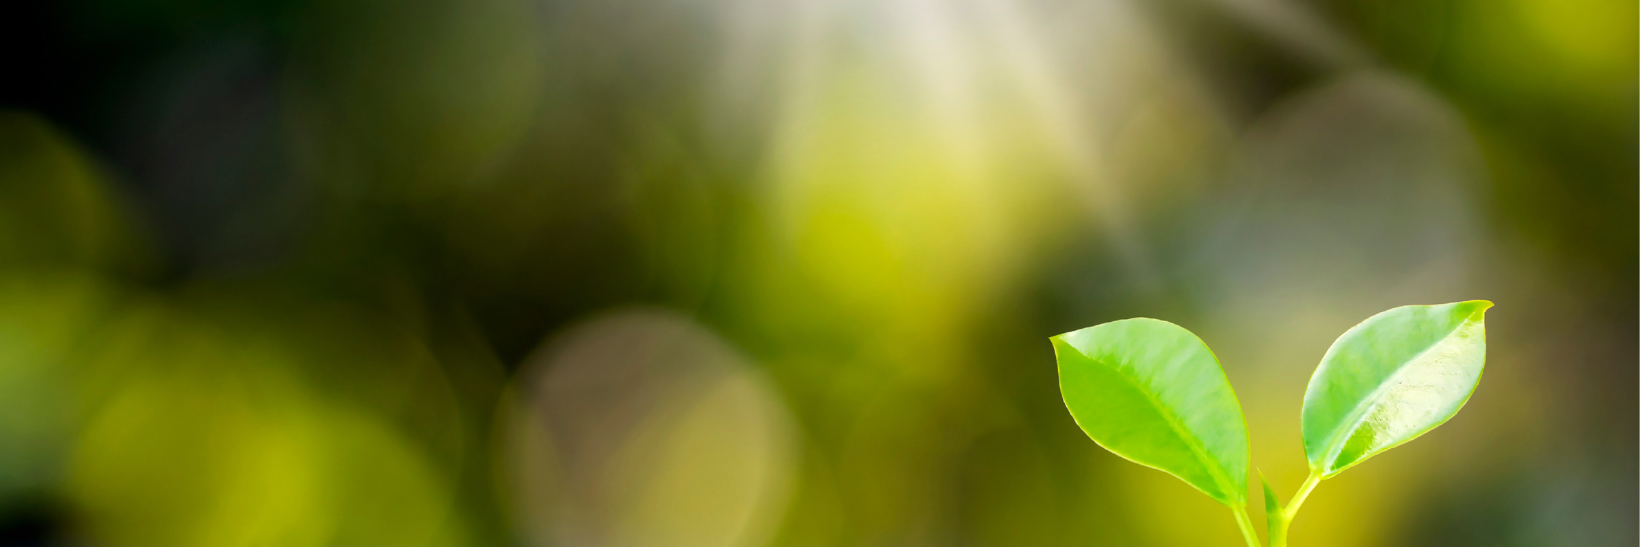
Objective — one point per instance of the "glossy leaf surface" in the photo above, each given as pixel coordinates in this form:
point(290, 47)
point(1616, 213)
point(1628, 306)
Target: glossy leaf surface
point(1152, 392)
point(1390, 379)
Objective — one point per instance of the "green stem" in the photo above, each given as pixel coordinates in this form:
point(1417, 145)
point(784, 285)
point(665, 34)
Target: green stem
point(1278, 532)
point(1246, 525)
point(1298, 498)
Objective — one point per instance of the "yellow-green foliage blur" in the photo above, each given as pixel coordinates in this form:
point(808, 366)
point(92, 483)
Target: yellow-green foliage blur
point(769, 273)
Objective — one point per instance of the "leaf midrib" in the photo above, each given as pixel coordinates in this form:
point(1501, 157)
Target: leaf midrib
point(1358, 414)
point(1196, 448)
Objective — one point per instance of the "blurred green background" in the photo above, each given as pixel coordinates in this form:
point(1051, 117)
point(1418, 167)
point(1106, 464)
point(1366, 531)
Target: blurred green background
point(702, 273)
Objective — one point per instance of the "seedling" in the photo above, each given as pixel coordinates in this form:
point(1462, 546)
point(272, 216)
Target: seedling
point(1152, 392)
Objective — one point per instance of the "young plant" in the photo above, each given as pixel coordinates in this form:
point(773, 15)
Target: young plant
point(1152, 392)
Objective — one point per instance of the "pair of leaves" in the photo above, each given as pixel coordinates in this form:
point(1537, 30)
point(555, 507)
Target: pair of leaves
point(1153, 393)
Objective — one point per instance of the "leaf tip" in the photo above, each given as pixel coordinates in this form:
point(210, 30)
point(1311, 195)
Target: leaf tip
point(1476, 308)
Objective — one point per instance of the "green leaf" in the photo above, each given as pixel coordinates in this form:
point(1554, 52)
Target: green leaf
point(1272, 509)
point(1152, 392)
point(1390, 379)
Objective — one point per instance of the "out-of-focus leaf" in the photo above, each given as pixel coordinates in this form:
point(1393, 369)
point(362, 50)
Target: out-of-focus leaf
point(1390, 379)
point(199, 434)
point(47, 315)
point(1152, 392)
point(55, 206)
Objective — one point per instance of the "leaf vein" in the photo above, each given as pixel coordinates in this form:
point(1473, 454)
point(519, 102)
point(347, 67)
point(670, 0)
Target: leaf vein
point(1358, 414)
point(1218, 473)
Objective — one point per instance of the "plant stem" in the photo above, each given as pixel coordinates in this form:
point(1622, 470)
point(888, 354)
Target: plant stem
point(1246, 525)
point(1298, 497)
point(1278, 532)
